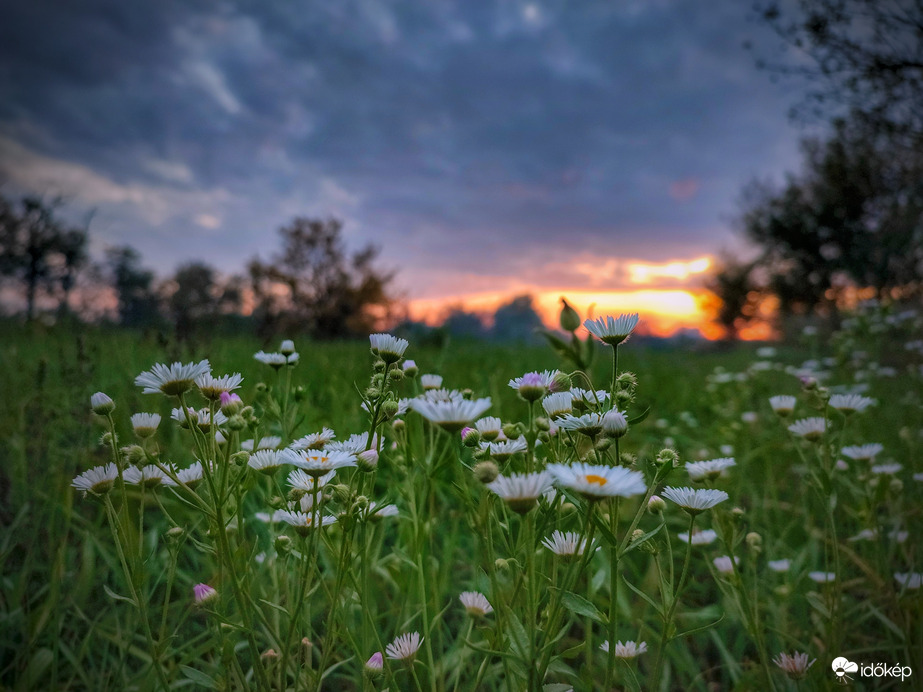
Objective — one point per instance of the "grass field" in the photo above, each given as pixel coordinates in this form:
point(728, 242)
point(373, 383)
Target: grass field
point(98, 588)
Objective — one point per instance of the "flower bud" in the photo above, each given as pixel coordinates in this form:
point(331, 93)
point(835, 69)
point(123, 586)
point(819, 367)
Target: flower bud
point(511, 430)
point(569, 318)
point(287, 348)
point(486, 471)
point(367, 460)
point(283, 544)
point(203, 593)
point(395, 375)
point(398, 425)
point(615, 425)
point(300, 393)
point(133, 454)
point(101, 404)
point(626, 380)
point(236, 423)
point(342, 493)
point(470, 437)
point(754, 542)
point(501, 564)
point(656, 505)
point(175, 533)
point(896, 485)
point(623, 399)
point(561, 382)
point(240, 458)
point(542, 424)
point(410, 368)
point(668, 457)
point(372, 393)
point(375, 664)
point(603, 444)
point(389, 409)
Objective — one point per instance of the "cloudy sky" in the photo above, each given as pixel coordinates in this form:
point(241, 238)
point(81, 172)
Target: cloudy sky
point(488, 147)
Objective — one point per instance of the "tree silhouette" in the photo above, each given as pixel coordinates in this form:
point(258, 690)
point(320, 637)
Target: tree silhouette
point(38, 252)
point(134, 286)
point(315, 285)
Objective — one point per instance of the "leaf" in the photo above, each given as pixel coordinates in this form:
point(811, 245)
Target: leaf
point(113, 595)
point(557, 687)
point(637, 543)
point(643, 595)
point(640, 417)
point(519, 640)
point(273, 605)
point(199, 678)
point(581, 606)
point(694, 630)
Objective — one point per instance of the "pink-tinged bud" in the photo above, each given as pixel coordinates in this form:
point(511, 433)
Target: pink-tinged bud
point(231, 403)
point(368, 460)
point(376, 663)
point(470, 437)
point(203, 593)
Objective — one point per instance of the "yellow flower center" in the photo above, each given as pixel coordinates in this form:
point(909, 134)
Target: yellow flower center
point(597, 480)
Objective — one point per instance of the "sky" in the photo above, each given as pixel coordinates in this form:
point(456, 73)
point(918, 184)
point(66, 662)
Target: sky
point(589, 149)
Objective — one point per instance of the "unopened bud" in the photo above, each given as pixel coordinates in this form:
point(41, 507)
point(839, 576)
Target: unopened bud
point(542, 424)
point(410, 368)
point(287, 348)
point(236, 423)
point(367, 460)
point(231, 403)
point(668, 457)
point(240, 458)
point(569, 318)
point(283, 544)
point(389, 409)
point(561, 382)
point(470, 437)
point(398, 425)
point(300, 393)
point(486, 471)
point(101, 404)
point(511, 430)
point(175, 533)
point(133, 454)
point(754, 542)
point(656, 505)
point(342, 493)
point(501, 564)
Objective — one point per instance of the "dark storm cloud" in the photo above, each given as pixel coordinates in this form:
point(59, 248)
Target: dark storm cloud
point(466, 135)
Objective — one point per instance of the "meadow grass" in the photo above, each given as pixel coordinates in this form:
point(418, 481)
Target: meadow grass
point(85, 608)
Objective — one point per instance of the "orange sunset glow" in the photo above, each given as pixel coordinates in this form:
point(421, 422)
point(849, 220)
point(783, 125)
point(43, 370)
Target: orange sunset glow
point(668, 296)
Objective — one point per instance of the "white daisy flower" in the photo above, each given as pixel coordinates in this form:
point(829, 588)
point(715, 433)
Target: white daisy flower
point(565, 544)
point(318, 462)
point(388, 347)
point(149, 476)
point(375, 511)
point(287, 347)
point(597, 482)
point(865, 452)
point(302, 522)
point(101, 403)
point(589, 397)
point(451, 416)
point(708, 470)
point(704, 537)
point(404, 647)
point(501, 451)
point(909, 580)
point(440, 395)
point(213, 387)
point(811, 429)
point(724, 565)
point(627, 650)
point(558, 404)
point(611, 330)
point(354, 444)
point(98, 480)
point(171, 380)
point(266, 461)
point(779, 565)
point(476, 603)
point(521, 490)
point(202, 418)
point(589, 424)
point(886, 469)
point(749, 417)
point(490, 428)
point(850, 403)
point(145, 424)
point(695, 501)
point(822, 577)
point(274, 360)
point(301, 482)
point(534, 385)
point(795, 666)
point(314, 440)
point(190, 476)
point(268, 442)
point(431, 381)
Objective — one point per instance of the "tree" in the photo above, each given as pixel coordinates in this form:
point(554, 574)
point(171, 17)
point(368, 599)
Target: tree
point(194, 298)
point(38, 252)
point(516, 321)
point(314, 284)
point(138, 304)
point(852, 219)
point(864, 57)
point(736, 295)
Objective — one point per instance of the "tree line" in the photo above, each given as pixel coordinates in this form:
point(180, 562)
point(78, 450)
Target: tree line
point(312, 285)
point(849, 224)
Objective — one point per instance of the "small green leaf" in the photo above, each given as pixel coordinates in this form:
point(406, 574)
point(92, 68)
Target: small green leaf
point(580, 606)
point(199, 678)
point(113, 595)
point(643, 595)
point(640, 417)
